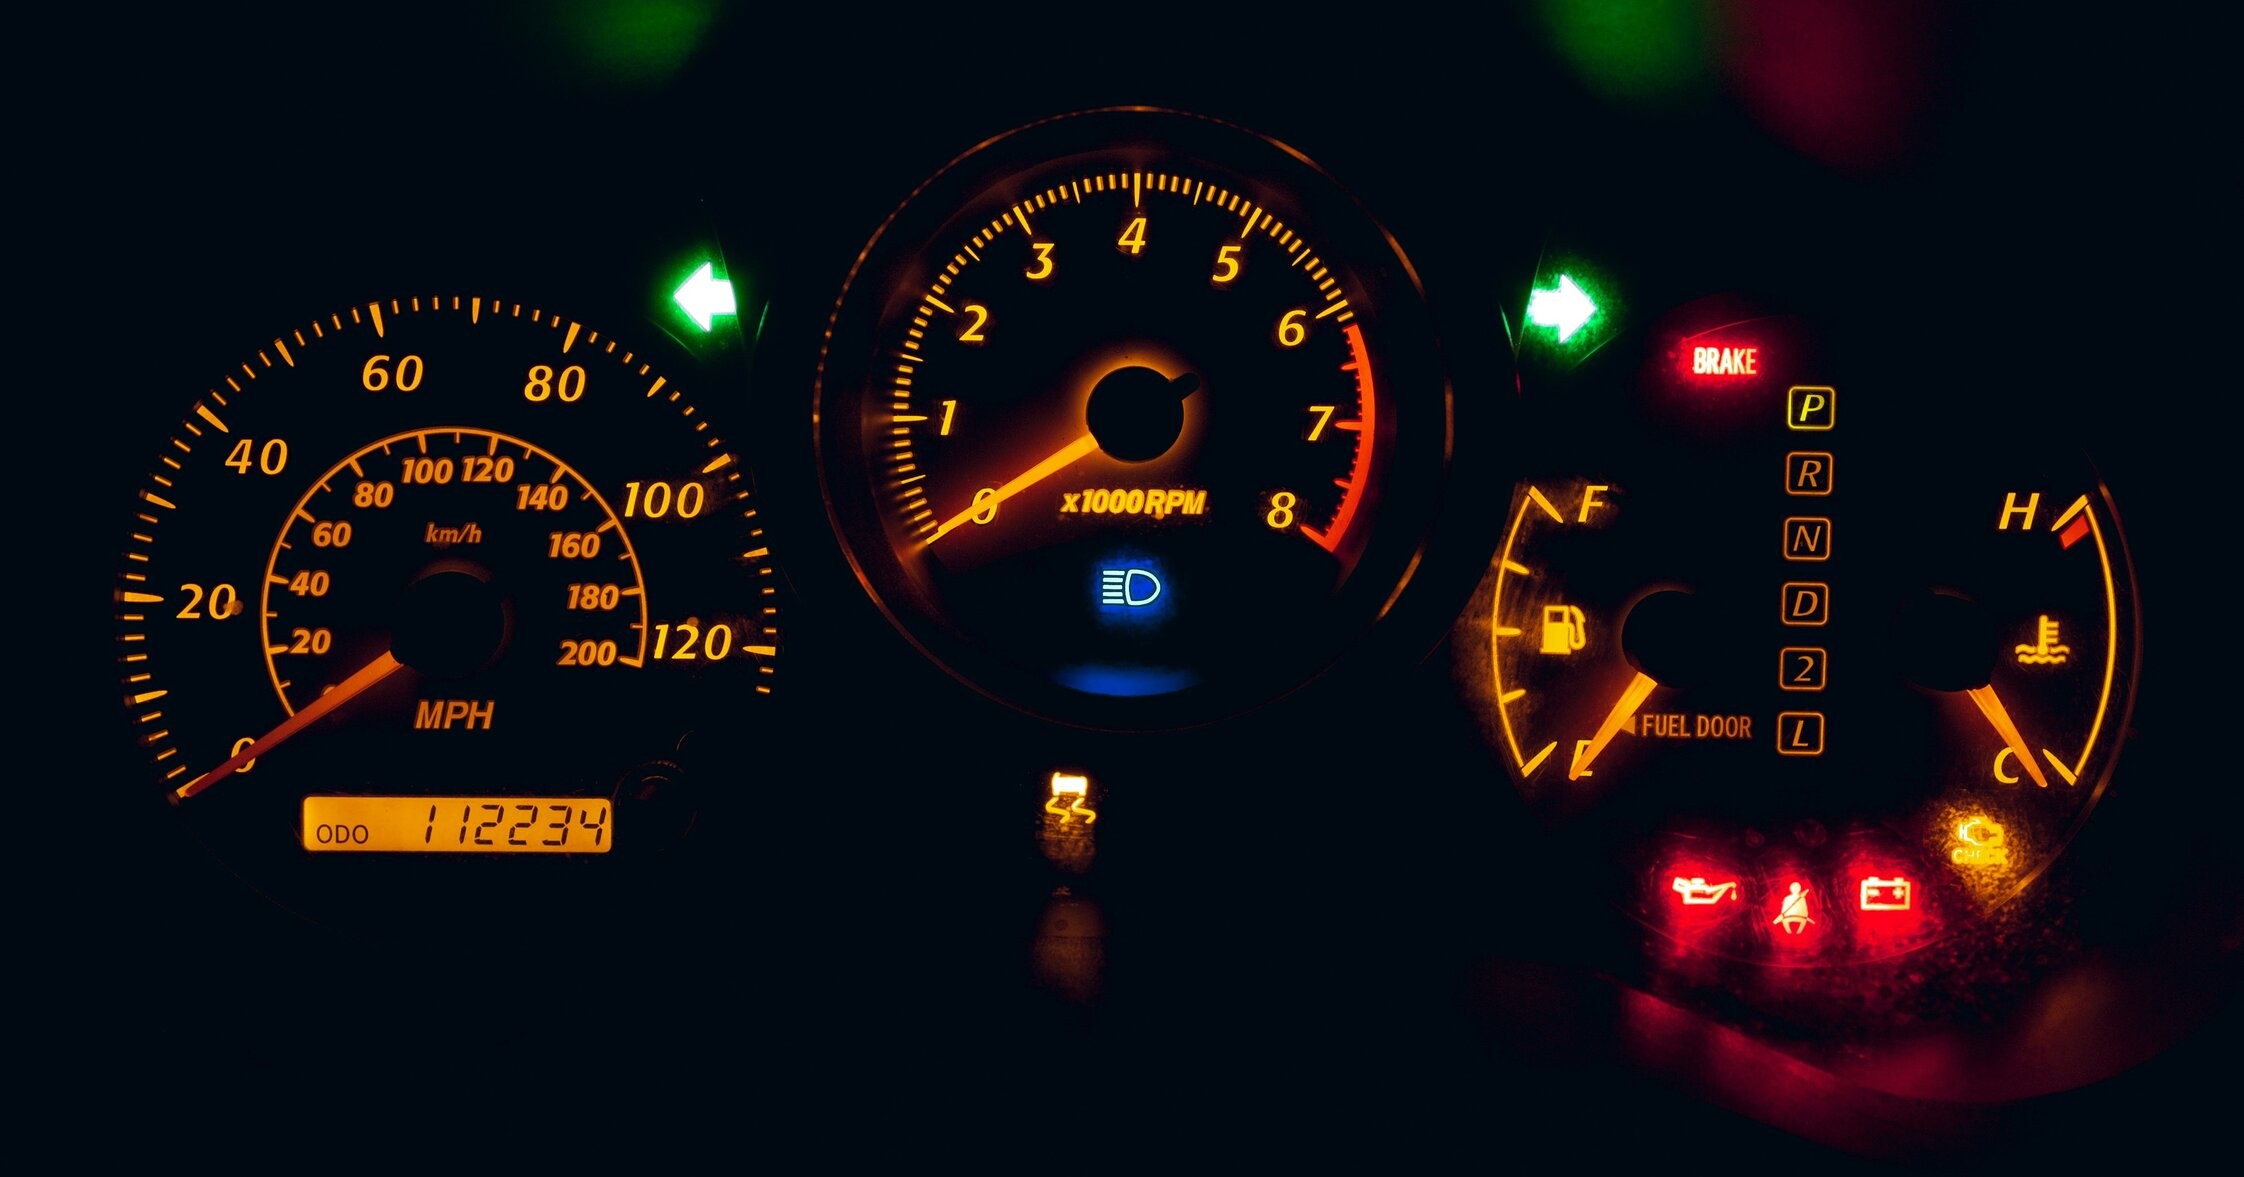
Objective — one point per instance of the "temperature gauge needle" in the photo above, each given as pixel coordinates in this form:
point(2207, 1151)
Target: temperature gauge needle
point(343, 692)
point(1616, 719)
point(1999, 717)
point(1066, 456)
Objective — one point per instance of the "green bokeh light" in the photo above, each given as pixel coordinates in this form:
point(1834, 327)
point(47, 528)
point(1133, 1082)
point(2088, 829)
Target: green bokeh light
point(1633, 50)
point(626, 42)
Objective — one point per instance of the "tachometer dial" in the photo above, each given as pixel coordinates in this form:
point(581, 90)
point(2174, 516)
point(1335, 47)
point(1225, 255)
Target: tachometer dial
point(435, 582)
point(1132, 418)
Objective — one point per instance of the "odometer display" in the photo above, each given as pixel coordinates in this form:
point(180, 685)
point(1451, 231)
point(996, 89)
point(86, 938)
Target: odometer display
point(459, 825)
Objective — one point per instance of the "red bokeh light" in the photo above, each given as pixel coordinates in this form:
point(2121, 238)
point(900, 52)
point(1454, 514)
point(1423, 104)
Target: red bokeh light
point(1845, 81)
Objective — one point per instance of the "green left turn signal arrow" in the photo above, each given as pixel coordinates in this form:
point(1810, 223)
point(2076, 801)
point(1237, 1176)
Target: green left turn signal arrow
point(704, 296)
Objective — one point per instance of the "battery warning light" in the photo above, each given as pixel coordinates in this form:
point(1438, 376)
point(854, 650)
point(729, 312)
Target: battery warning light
point(1726, 361)
point(1881, 894)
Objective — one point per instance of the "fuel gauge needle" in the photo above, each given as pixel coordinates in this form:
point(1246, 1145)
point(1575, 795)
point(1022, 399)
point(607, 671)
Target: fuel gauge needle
point(1999, 717)
point(343, 692)
point(1616, 719)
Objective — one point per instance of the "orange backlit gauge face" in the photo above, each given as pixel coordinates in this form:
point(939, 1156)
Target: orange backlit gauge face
point(1750, 632)
point(448, 577)
point(1131, 418)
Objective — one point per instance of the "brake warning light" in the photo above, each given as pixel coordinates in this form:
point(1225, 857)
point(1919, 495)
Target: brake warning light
point(1725, 361)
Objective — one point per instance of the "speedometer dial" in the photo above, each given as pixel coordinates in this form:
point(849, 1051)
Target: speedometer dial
point(1132, 418)
point(433, 583)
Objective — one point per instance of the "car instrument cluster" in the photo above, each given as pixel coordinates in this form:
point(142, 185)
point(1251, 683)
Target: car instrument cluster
point(1290, 570)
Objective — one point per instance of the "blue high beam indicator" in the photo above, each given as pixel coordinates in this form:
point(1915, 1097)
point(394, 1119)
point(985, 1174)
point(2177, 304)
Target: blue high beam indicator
point(1133, 588)
point(1130, 589)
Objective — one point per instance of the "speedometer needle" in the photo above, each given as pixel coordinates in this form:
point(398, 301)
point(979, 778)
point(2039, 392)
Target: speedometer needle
point(343, 692)
point(1999, 716)
point(1616, 719)
point(1066, 456)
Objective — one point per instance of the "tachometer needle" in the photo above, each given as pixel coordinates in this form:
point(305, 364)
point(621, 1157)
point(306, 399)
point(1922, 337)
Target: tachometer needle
point(343, 692)
point(1999, 716)
point(1616, 719)
point(1065, 457)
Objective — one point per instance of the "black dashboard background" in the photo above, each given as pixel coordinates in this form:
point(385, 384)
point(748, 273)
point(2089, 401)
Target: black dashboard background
point(1305, 952)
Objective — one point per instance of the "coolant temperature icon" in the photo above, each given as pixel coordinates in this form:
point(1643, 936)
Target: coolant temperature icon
point(2046, 650)
point(1132, 587)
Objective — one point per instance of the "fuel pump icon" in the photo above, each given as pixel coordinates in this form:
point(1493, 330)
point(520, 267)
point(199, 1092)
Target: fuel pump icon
point(1565, 630)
